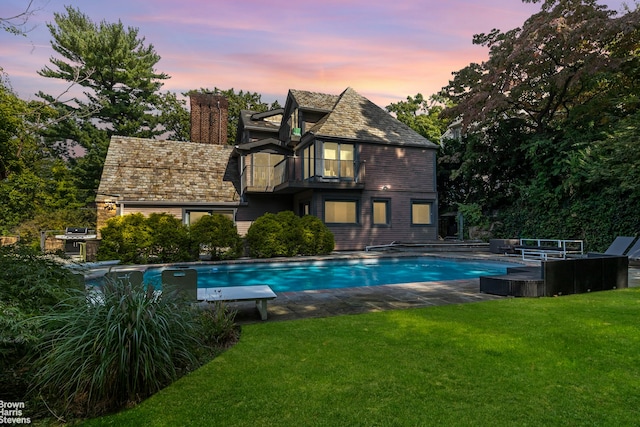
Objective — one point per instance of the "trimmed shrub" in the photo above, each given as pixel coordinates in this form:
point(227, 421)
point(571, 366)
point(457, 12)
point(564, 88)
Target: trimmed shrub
point(126, 238)
point(264, 237)
point(136, 239)
point(317, 239)
point(219, 235)
point(291, 235)
point(169, 239)
point(286, 234)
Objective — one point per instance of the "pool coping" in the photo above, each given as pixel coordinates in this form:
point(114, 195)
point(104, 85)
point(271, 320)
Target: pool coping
point(346, 301)
point(366, 299)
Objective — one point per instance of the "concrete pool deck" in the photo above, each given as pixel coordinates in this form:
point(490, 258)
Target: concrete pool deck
point(336, 302)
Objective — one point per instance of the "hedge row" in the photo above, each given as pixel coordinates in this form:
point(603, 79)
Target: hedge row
point(162, 238)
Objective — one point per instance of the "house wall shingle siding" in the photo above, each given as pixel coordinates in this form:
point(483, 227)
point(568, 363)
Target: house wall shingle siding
point(409, 174)
point(399, 168)
point(394, 163)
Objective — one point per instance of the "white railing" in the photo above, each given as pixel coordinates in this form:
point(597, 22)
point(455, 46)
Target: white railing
point(549, 248)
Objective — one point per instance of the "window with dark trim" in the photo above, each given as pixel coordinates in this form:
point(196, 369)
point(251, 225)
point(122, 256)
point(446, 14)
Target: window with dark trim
point(305, 208)
point(380, 214)
point(421, 212)
point(191, 216)
point(341, 211)
point(308, 162)
point(338, 160)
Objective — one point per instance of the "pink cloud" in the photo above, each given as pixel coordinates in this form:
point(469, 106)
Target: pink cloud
point(384, 50)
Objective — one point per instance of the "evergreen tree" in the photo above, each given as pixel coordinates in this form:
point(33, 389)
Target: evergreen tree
point(116, 70)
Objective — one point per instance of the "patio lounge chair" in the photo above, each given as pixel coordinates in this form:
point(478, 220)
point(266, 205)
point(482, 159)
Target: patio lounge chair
point(183, 281)
point(619, 245)
point(634, 252)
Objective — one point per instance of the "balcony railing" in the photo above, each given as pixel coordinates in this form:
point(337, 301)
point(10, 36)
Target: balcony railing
point(289, 171)
point(258, 178)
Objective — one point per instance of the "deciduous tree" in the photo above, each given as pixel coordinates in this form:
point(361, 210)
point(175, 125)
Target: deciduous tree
point(561, 58)
point(532, 116)
point(422, 115)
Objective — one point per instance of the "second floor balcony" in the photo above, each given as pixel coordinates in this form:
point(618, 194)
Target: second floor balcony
point(289, 176)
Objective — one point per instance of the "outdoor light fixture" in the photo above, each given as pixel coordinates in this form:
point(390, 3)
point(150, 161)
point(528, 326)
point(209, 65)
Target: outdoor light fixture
point(385, 187)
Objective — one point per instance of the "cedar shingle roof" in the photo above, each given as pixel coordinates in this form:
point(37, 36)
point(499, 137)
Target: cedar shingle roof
point(314, 100)
point(355, 117)
point(137, 169)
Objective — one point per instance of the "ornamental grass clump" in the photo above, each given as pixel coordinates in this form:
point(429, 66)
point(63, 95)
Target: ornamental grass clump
point(109, 349)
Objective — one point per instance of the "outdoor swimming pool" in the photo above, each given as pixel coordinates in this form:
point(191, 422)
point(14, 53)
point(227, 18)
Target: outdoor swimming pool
point(333, 274)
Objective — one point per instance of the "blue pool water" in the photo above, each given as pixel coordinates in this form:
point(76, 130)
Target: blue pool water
point(311, 275)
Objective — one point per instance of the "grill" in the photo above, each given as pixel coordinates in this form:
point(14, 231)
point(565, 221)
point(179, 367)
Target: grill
point(77, 233)
point(75, 239)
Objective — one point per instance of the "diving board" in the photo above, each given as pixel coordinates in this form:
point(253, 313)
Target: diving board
point(260, 294)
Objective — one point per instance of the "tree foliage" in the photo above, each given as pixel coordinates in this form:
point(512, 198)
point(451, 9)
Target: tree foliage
point(559, 60)
point(219, 235)
point(120, 89)
point(237, 102)
point(30, 285)
point(115, 68)
point(422, 115)
point(34, 179)
point(545, 121)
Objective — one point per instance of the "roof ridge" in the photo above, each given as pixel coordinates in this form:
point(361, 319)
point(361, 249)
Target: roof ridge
point(355, 116)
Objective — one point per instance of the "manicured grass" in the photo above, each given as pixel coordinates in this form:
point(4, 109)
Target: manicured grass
point(573, 360)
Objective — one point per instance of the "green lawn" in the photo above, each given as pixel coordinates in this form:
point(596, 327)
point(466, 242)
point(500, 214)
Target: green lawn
point(573, 360)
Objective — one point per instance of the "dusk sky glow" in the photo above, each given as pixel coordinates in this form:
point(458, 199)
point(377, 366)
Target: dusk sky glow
point(385, 50)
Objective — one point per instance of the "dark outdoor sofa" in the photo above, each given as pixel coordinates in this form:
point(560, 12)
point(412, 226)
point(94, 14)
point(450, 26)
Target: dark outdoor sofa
point(590, 273)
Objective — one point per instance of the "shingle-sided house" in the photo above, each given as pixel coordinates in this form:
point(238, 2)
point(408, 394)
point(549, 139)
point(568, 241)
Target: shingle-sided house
point(369, 177)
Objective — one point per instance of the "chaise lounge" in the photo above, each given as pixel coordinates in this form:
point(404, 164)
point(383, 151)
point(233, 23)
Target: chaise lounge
point(634, 253)
point(620, 245)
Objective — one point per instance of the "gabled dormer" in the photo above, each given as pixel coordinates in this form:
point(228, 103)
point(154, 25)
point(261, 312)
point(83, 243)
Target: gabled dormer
point(254, 126)
point(259, 151)
point(303, 109)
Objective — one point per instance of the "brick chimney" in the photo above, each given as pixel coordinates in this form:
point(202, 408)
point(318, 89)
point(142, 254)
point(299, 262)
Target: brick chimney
point(209, 117)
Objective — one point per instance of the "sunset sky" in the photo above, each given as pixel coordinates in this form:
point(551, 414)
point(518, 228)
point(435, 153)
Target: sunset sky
point(385, 50)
